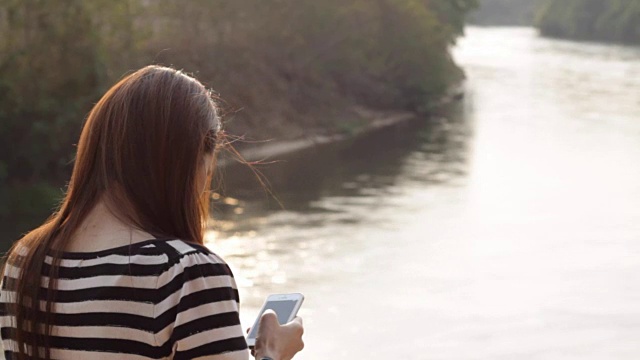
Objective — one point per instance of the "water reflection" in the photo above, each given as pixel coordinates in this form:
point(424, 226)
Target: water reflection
point(507, 231)
point(327, 194)
point(324, 181)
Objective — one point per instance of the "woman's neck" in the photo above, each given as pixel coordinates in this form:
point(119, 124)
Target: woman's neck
point(102, 229)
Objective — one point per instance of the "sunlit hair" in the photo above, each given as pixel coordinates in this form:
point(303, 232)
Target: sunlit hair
point(140, 151)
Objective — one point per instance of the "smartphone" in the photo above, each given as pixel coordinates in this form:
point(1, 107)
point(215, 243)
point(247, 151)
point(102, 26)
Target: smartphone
point(286, 307)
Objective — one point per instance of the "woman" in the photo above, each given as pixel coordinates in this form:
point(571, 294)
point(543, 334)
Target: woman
point(120, 270)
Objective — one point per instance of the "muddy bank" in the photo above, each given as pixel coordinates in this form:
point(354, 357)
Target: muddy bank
point(274, 148)
point(366, 120)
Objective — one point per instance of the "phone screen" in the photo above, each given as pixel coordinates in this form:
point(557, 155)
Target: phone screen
point(283, 309)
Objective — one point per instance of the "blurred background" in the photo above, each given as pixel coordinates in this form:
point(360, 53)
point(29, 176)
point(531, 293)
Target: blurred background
point(447, 179)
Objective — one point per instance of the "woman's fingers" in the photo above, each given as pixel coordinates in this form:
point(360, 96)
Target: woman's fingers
point(282, 341)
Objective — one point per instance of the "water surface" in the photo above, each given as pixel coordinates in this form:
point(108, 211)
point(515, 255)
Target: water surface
point(507, 229)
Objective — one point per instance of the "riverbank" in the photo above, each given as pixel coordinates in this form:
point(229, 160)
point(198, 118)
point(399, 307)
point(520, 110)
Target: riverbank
point(291, 72)
point(604, 21)
point(369, 120)
point(366, 120)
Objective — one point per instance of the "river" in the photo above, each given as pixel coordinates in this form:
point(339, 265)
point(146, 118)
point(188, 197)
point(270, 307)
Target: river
point(507, 229)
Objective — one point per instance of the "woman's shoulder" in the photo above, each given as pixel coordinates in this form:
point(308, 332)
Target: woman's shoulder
point(187, 261)
point(169, 248)
point(167, 258)
point(180, 248)
point(188, 253)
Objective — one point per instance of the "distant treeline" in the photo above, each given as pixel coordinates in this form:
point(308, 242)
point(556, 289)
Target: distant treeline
point(505, 12)
point(284, 68)
point(601, 20)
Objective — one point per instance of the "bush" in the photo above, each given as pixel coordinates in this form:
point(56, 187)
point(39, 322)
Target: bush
point(290, 65)
point(601, 20)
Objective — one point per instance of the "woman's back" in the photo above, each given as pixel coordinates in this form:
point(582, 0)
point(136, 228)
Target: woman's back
point(153, 299)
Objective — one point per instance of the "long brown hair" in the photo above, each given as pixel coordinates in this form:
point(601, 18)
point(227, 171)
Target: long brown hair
point(141, 148)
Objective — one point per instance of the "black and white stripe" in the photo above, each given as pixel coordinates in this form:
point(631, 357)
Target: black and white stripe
point(155, 299)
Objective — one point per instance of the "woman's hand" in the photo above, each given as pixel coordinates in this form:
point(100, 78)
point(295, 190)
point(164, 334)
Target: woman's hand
point(279, 342)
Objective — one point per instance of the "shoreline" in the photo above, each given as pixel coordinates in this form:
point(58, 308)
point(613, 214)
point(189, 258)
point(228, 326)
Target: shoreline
point(375, 120)
point(284, 147)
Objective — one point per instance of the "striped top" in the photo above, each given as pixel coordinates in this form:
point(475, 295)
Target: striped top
point(155, 299)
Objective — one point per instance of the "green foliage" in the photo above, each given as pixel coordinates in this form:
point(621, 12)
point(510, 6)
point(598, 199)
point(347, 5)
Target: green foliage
point(55, 61)
point(602, 20)
point(290, 65)
point(24, 206)
point(453, 13)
